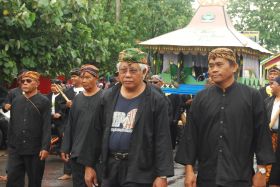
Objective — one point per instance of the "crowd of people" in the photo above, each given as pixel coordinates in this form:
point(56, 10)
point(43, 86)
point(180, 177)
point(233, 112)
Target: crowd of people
point(123, 133)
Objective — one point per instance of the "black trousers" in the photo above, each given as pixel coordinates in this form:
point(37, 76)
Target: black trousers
point(78, 173)
point(19, 164)
point(67, 168)
point(116, 176)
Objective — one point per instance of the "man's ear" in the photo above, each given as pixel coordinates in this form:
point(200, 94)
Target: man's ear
point(235, 67)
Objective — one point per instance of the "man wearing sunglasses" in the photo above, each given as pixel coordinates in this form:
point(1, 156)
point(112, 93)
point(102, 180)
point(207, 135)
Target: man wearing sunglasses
point(29, 134)
point(136, 146)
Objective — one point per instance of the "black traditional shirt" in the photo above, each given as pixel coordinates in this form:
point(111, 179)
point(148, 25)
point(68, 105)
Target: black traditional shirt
point(82, 114)
point(30, 124)
point(225, 130)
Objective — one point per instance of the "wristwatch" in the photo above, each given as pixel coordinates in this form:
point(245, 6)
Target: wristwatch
point(261, 170)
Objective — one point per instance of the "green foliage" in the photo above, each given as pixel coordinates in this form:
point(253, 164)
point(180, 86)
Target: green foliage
point(53, 36)
point(256, 15)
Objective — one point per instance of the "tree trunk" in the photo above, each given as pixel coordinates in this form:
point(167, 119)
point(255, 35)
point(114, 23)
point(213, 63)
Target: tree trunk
point(118, 10)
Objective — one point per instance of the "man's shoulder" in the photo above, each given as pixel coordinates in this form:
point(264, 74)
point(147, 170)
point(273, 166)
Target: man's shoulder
point(43, 97)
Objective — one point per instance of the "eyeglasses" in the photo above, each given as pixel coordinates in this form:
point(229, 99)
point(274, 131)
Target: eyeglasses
point(154, 82)
point(131, 70)
point(26, 80)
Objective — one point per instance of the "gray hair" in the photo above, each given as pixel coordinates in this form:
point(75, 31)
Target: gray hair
point(142, 67)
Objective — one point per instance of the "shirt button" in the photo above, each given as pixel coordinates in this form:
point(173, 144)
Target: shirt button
point(23, 131)
point(221, 122)
point(221, 136)
point(222, 108)
point(220, 150)
point(23, 141)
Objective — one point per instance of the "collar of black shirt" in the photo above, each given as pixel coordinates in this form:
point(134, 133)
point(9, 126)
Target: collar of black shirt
point(228, 89)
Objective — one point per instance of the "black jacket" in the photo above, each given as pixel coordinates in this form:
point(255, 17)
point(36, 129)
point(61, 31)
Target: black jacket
point(12, 94)
point(57, 109)
point(30, 127)
point(269, 101)
point(150, 153)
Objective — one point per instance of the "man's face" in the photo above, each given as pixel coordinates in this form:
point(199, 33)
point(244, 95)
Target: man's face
point(76, 80)
point(28, 85)
point(88, 81)
point(156, 82)
point(54, 89)
point(272, 75)
point(220, 70)
point(130, 75)
point(275, 88)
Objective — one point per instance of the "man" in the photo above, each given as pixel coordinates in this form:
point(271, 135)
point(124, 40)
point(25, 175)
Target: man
point(227, 126)
point(57, 115)
point(272, 74)
point(273, 108)
point(82, 116)
point(13, 93)
point(136, 147)
point(65, 106)
point(29, 134)
point(7, 104)
point(157, 81)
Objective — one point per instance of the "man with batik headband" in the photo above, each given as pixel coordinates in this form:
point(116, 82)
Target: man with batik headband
point(66, 105)
point(272, 74)
point(136, 146)
point(227, 126)
point(29, 134)
point(7, 104)
point(272, 105)
point(84, 115)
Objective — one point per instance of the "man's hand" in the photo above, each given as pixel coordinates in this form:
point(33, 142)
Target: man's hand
point(56, 115)
point(43, 154)
point(7, 107)
point(160, 182)
point(65, 157)
point(90, 177)
point(259, 180)
point(190, 178)
point(69, 104)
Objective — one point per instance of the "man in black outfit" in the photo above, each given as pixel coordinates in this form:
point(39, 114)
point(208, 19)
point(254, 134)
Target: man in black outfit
point(272, 105)
point(7, 104)
point(29, 134)
point(227, 126)
point(83, 115)
point(57, 115)
point(66, 106)
point(272, 74)
point(136, 146)
point(13, 93)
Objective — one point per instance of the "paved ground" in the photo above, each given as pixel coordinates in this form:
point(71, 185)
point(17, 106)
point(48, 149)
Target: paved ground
point(54, 169)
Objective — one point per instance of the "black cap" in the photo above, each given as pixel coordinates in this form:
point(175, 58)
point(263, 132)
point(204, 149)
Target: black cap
point(75, 71)
point(56, 81)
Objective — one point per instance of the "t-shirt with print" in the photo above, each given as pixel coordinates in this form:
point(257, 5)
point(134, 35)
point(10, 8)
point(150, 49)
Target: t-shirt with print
point(123, 123)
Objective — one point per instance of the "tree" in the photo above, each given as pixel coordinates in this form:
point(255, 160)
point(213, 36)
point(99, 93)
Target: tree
point(255, 15)
point(53, 36)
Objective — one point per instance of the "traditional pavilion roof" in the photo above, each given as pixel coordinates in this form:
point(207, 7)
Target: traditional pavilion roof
point(209, 28)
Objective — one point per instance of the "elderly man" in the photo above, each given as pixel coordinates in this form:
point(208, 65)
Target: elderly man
point(272, 74)
point(83, 115)
point(136, 149)
point(29, 134)
point(227, 126)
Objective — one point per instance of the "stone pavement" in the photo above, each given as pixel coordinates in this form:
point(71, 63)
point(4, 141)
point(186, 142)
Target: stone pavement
point(54, 169)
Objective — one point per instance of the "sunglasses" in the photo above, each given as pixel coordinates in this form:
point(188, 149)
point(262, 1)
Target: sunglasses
point(26, 80)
